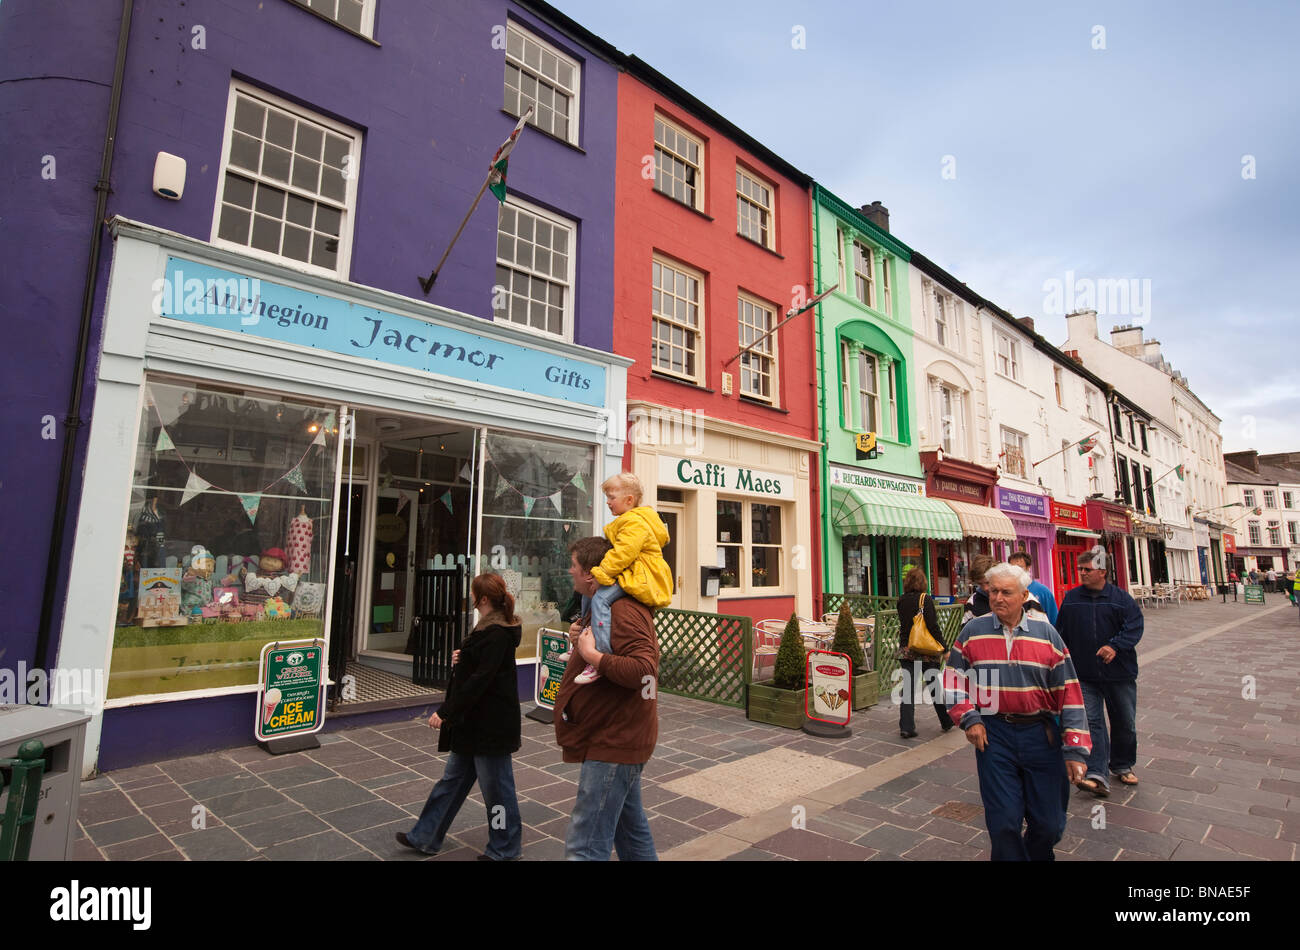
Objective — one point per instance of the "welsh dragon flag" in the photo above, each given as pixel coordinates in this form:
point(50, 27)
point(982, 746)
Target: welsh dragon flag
point(500, 161)
point(1179, 472)
point(1087, 445)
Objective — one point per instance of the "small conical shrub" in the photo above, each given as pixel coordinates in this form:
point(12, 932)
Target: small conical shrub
point(791, 661)
point(846, 640)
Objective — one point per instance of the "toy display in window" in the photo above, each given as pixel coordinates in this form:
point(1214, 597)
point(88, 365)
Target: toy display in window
point(196, 583)
point(126, 591)
point(151, 529)
point(301, 532)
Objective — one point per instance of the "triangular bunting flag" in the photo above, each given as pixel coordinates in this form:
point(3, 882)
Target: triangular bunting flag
point(294, 478)
point(555, 500)
point(466, 472)
point(194, 486)
point(578, 480)
point(446, 500)
point(320, 437)
point(165, 443)
point(402, 499)
point(503, 486)
point(528, 505)
point(329, 421)
point(251, 503)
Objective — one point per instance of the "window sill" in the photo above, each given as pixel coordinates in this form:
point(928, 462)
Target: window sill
point(655, 374)
point(760, 245)
point(1010, 379)
point(550, 135)
point(681, 204)
point(332, 22)
point(761, 404)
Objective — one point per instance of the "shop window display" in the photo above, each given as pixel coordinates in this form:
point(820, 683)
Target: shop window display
point(226, 545)
point(537, 500)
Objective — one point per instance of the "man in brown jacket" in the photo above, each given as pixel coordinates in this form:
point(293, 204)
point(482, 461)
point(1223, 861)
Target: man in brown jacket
point(609, 725)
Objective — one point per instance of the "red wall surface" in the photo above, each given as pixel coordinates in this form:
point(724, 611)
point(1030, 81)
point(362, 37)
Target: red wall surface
point(647, 222)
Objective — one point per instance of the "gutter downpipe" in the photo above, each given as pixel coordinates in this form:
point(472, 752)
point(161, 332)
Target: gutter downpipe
point(73, 422)
point(821, 395)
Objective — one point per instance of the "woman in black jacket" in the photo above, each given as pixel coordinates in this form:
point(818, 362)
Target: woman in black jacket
point(912, 666)
point(479, 723)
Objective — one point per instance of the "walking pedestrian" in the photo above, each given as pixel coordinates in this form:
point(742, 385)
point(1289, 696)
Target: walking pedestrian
point(916, 668)
point(977, 604)
point(479, 726)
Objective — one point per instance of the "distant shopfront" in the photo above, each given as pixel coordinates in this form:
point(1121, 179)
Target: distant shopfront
point(967, 489)
point(884, 525)
point(1112, 522)
point(1073, 537)
point(1035, 534)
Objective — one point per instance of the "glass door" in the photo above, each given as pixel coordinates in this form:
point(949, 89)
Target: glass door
point(671, 515)
point(393, 560)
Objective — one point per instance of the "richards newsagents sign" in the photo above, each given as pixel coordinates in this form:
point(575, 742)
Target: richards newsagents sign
point(211, 297)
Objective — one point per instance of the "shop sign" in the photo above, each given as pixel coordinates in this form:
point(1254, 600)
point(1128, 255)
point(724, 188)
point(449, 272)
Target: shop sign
point(550, 669)
point(736, 479)
point(223, 300)
point(291, 689)
point(829, 696)
point(962, 489)
point(1229, 543)
point(859, 479)
point(1254, 593)
point(1072, 516)
point(1110, 522)
point(1021, 502)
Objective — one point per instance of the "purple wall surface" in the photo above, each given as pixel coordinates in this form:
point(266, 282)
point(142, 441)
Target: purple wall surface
point(427, 97)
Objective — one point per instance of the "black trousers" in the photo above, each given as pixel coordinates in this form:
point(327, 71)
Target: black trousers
point(915, 680)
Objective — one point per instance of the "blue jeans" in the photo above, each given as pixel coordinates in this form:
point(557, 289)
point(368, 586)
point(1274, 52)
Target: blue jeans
point(599, 604)
point(608, 815)
point(1023, 779)
point(1114, 750)
point(496, 778)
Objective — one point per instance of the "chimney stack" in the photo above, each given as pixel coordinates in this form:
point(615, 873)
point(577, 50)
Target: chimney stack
point(1027, 322)
point(877, 214)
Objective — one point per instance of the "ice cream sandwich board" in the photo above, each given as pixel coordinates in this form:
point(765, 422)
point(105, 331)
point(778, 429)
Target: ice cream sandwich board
point(551, 644)
point(290, 702)
point(828, 700)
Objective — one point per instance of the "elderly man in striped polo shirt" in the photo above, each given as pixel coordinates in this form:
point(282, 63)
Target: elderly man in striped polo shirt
point(1010, 684)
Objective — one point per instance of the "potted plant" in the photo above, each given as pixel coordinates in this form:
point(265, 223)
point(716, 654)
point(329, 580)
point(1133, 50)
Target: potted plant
point(780, 701)
point(866, 685)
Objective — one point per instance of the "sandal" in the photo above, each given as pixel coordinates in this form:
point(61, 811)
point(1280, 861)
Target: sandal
point(1094, 786)
point(1127, 778)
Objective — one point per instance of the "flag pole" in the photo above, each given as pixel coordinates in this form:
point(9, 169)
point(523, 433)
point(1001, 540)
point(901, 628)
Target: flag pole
point(427, 284)
point(499, 156)
point(1167, 474)
point(1066, 448)
point(789, 315)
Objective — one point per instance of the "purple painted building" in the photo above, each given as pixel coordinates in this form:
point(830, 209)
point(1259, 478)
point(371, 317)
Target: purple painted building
point(266, 390)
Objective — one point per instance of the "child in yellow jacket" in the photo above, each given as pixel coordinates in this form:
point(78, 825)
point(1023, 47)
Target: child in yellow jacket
point(635, 566)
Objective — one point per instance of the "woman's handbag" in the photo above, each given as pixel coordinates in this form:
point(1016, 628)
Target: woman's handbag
point(919, 639)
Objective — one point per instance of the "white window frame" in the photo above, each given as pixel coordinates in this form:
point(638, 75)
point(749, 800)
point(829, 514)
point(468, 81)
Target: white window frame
point(569, 282)
point(1270, 498)
point(857, 403)
point(868, 276)
point(1248, 497)
point(1091, 399)
point(1058, 383)
point(1287, 500)
point(1065, 466)
point(367, 28)
point(554, 83)
point(698, 203)
point(764, 352)
point(953, 437)
point(746, 546)
point(1253, 532)
point(886, 287)
point(1275, 534)
point(351, 166)
point(1007, 363)
point(766, 213)
point(1015, 448)
point(696, 332)
point(1293, 532)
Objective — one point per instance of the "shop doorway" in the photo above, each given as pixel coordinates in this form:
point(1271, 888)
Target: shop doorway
point(673, 516)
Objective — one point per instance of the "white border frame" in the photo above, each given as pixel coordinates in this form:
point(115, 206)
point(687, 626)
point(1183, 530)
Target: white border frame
point(576, 114)
point(703, 166)
point(701, 337)
point(570, 302)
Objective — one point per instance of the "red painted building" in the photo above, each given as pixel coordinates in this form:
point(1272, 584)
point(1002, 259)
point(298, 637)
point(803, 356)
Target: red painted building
point(712, 239)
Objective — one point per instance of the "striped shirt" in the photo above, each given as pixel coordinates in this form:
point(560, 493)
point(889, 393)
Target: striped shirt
point(1034, 676)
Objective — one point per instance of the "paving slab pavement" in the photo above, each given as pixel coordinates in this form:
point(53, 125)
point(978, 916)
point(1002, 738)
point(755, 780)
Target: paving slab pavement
point(1218, 747)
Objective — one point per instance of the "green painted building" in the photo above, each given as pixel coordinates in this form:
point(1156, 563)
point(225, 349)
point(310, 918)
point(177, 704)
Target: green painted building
point(876, 518)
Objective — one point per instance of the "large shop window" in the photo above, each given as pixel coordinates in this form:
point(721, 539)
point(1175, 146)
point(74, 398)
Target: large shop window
point(749, 534)
point(537, 500)
point(226, 547)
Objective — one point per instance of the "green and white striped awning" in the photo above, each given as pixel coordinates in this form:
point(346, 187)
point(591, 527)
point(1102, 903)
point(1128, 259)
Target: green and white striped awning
point(875, 511)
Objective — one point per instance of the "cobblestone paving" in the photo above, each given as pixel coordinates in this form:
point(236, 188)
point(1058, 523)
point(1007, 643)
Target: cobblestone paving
point(1218, 759)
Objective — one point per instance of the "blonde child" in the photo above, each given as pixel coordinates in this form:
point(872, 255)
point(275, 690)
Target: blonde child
point(635, 566)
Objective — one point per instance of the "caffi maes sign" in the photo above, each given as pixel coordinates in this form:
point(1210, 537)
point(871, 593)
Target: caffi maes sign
point(735, 479)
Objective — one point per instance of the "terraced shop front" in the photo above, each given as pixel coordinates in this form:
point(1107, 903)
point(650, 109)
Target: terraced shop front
point(253, 479)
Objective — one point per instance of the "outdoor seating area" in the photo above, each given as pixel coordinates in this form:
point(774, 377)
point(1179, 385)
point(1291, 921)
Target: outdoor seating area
point(1170, 594)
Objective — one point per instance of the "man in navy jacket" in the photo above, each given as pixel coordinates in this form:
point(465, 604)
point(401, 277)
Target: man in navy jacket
point(1102, 625)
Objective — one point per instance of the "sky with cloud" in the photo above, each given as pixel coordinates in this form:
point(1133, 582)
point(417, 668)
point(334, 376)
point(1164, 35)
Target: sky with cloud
point(1169, 156)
